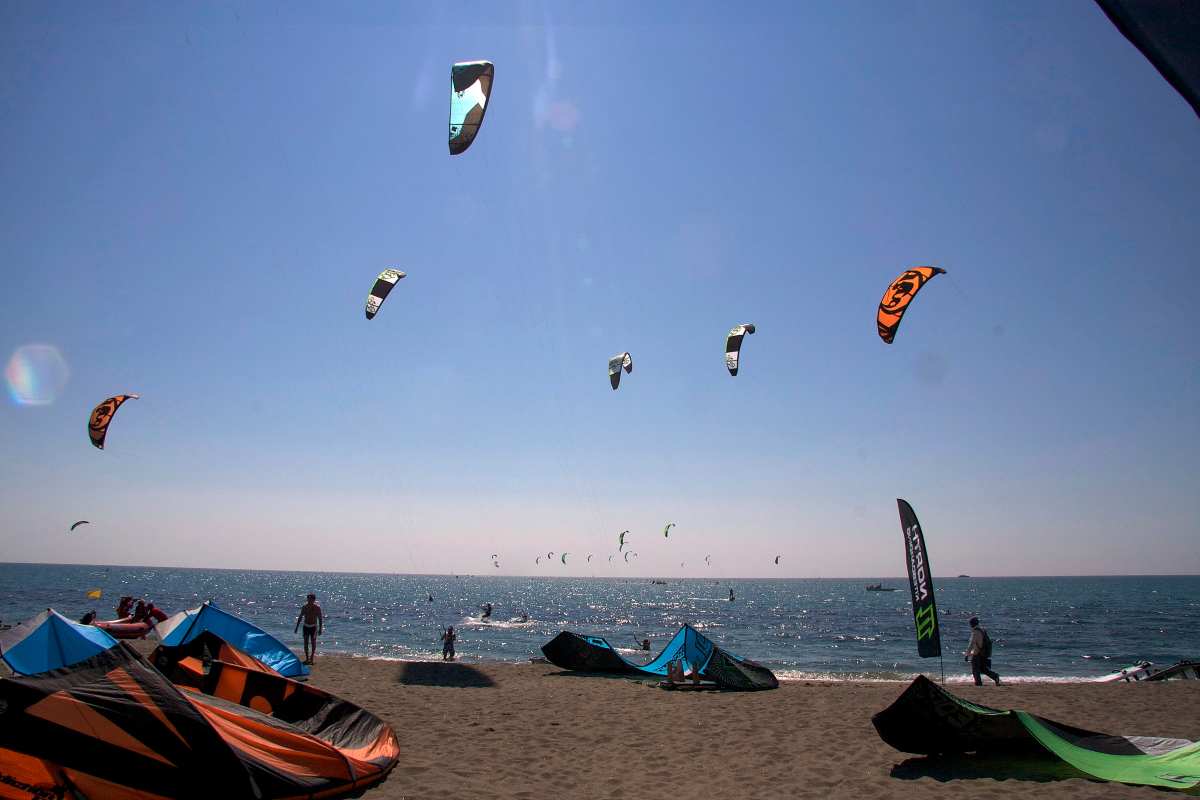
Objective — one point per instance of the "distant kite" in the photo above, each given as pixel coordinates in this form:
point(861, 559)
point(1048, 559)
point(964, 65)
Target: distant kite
point(897, 297)
point(667, 530)
point(537, 560)
point(77, 524)
point(589, 558)
point(470, 90)
point(733, 345)
point(777, 559)
point(550, 554)
point(621, 541)
point(102, 415)
point(610, 558)
point(708, 560)
point(615, 365)
point(379, 292)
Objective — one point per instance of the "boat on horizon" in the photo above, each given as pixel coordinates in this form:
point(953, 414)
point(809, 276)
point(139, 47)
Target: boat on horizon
point(879, 587)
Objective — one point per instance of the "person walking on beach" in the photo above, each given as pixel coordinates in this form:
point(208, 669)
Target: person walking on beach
point(448, 637)
point(979, 653)
point(314, 625)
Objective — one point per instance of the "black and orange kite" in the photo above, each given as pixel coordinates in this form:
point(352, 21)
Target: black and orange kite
point(897, 297)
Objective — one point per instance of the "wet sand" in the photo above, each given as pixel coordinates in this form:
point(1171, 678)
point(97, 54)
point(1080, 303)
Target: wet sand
point(497, 730)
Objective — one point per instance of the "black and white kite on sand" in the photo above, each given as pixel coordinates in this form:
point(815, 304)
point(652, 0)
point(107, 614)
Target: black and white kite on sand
point(379, 292)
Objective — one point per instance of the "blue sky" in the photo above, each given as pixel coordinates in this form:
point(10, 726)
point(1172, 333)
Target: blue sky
point(198, 200)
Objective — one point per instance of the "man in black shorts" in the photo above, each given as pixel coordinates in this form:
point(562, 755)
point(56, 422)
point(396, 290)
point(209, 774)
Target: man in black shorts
point(314, 625)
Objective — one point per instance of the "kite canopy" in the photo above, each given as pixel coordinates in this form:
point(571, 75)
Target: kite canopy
point(470, 90)
point(667, 530)
point(379, 292)
point(698, 653)
point(928, 720)
point(114, 728)
point(777, 559)
point(564, 557)
point(50, 641)
point(185, 626)
point(77, 524)
point(615, 365)
point(897, 297)
point(102, 416)
point(1166, 32)
point(733, 345)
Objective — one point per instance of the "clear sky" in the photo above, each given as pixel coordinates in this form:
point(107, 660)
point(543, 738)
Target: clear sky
point(196, 201)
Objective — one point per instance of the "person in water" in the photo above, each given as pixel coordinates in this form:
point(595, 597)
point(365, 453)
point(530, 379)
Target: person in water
point(431, 598)
point(644, 644)
point(314, 625)
point(979, 653)
point(731, 595)
point(487, 611)
point(448, 637)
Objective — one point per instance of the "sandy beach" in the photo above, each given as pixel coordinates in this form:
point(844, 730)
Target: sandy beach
point(498, 730)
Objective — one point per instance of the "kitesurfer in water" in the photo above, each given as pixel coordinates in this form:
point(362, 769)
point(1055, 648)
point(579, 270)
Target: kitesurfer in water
point(731, 595)
point(431, 598)
point(487, 612)
point(448, 637)
point(979, 653)
point(314, 625)
point(644, 644)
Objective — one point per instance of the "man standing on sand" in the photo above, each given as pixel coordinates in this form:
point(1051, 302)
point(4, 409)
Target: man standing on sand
point(979, 653)
point(314, 625)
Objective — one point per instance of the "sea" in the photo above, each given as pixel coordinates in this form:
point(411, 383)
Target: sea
point(1043, 628)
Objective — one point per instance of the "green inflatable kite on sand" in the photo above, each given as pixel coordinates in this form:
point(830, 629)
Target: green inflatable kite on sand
point(928, 720)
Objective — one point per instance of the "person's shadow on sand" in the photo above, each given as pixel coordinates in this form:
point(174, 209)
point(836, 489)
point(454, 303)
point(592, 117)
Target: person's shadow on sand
point(994, 766)
point(436, 673)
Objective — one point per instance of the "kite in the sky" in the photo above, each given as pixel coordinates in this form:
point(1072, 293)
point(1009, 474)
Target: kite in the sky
point(470, 90)
point(897, 297)
point(81, 522)
point(629, 553)
point(733, 345)
point(777, 559)
point(667, 530)
point(621, 541)
point(708, 560)
point(102, 415)
point(537, 560)
point(564, 557)
point(379, 292)
point(589, 558)
point(1166, 31)
point(615, 365)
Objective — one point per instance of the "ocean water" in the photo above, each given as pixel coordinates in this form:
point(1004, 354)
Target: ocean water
point(1071, 628)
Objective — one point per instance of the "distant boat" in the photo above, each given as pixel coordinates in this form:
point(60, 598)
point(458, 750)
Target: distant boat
point(964, 576)
point(879, 587)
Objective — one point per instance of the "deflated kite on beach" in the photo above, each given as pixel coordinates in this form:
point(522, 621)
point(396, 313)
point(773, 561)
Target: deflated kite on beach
point(113, 727)
point(928, 720)
point(698, 653)
point(185, 626)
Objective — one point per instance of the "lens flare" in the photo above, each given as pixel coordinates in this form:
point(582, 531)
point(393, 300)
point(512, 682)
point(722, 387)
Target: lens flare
point(36, 374)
